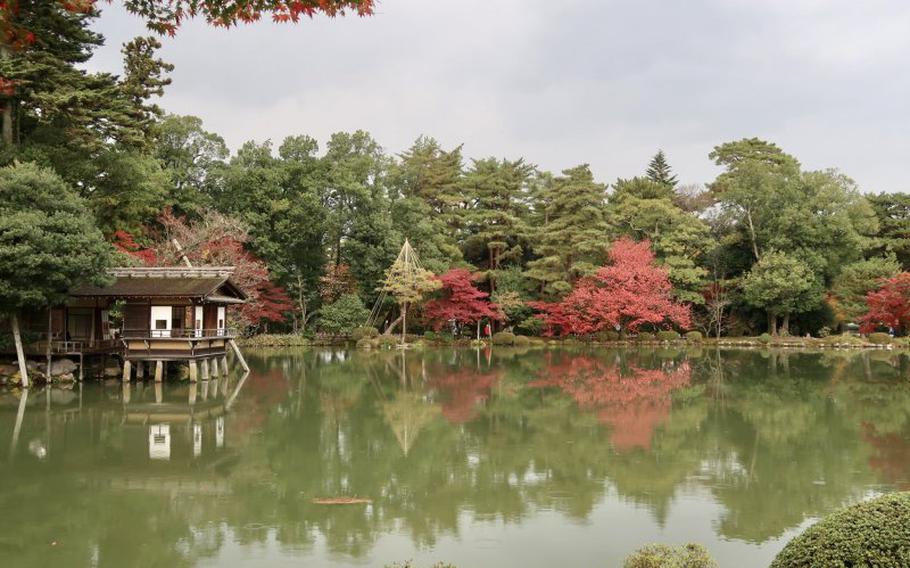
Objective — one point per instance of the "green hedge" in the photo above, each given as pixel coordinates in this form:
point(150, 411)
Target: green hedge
point(663, 556)
point(667, 335)
point(522, 340)
point(273, 340)
point(364, 331)
point(765, 338)
point(504, 338)
point(645, 336)
point(879, 338)
point(873, 533)
point(694, 336)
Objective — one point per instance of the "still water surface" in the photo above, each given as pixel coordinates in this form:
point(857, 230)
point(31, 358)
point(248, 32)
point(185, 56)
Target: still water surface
point(480, 458)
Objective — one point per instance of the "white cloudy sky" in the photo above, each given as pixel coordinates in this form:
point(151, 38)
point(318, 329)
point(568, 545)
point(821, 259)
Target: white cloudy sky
point(561, 82)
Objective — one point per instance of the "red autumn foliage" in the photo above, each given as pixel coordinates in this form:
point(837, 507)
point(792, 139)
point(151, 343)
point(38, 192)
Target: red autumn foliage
point(889, 305)
point(217, 240)
point(629, 292)
point(460, 301)
point(462, 391)
point(632, 400)
point(124, 242)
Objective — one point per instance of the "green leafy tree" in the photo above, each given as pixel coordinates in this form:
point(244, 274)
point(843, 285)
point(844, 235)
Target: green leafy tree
point(48, 243)
point(573, 239)
point(781, 285)
point(343, 315)
point(192, 157)
point(892, 210)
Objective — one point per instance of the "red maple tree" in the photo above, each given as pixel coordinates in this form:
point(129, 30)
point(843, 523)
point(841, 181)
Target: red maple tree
point(460, 301)
point(336, 282)
point(629, 292)
point(889, 305)
point(125, 243)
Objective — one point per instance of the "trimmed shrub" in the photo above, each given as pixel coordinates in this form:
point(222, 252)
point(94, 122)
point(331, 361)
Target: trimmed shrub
point(504, 338)
point(663, 556)
point(608, 335)
point(765, 338)
point(879, 338)
point(667, 335)
point(694, 336)
point(388, 340)
point(845, 339)
point(430, 336)
point(365, 343)
point(273, 340)
point(645, 336)
point(873, 533)
point(522, 340)
point(361, 332)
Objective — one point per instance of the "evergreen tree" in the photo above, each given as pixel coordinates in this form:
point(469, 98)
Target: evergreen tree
point(496, 218)
point(659, 171)
point(573, 241)
point(781, 285)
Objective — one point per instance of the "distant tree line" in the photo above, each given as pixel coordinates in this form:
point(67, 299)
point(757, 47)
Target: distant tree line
point(766, 246)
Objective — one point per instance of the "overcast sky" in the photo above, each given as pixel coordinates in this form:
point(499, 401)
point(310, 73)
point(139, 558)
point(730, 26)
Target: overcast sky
point(562, 82)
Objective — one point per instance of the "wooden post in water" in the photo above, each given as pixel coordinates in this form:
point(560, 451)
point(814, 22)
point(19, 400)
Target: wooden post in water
point(239, 355)
point(127, 370)
point(205, 369)
point(194, 371)
point(215, 372)
point(20, 351)
point(159, 371)
point(140, 370)
point(224, 367)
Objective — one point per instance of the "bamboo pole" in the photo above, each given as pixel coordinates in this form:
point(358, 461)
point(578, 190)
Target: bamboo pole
point(20, 351)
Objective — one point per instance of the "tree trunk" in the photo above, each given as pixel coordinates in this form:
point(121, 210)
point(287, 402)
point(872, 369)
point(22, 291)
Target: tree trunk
point(20, 351)
point(772, 323)
point(391, 326)
point(478, 330)
point(785, 326)
point(404, 322)
point(752, 234)
point(6, 119)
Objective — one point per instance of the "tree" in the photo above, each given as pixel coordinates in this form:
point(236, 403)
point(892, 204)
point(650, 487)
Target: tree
point(893, 213)
point(781, 285)
point(629, 292)
point(496, 215)
point(855, 281)
point(192, 158)
point(659, 171)
point(571, 242)
point(408, 283)
point(889, 305)
point(48, 244)
point(343, 315)
point(460, 301)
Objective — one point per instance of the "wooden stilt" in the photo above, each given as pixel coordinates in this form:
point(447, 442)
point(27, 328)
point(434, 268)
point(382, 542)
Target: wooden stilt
point(194, 372)
point(239, 355)
point(127, 392)
point(127, 370)
point(193, 390)
point(159, 371)
point(140, 370)
point(205, 369)
point(159, 392)
point(215, 372)
point(224, 366)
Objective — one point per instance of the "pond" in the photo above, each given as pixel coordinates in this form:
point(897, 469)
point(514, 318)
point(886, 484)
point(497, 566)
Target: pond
point(502, 457)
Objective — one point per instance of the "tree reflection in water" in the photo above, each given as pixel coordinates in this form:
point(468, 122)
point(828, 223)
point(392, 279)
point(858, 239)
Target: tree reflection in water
point(440, 440)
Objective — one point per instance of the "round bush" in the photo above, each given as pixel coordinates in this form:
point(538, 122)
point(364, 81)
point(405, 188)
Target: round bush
point(388, 340)
point(694, 336)
point(365, 343)
point(522, 340)
point(504, 338)
point(765, 338)
point(608, 335)
point(430, 336)
point(879, 338)
point(873, 533)
point(667, 335)
point(359, 333)
point(663, 556)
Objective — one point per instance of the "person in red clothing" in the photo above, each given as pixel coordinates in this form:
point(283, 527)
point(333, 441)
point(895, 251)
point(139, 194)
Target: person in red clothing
point(487, 330)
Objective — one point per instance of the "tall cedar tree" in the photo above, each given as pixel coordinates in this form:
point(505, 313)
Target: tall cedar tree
point(571, 242)
point(461, 301)
point(496, 218)
point(628, 293)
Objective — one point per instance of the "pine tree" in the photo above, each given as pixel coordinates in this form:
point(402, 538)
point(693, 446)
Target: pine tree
point(496, 218)
point(574, 239)
point(660, 171)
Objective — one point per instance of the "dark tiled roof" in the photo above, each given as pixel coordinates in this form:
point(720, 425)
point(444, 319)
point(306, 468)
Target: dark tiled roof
point(165, 282)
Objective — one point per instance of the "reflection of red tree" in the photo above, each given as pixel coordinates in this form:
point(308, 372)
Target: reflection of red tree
point(634, 401)
point(260, 393)
point(891, 458)
point(461, 391)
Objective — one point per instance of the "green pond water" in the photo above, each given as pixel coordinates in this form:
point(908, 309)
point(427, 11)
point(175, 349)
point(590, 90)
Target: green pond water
point(503, 457)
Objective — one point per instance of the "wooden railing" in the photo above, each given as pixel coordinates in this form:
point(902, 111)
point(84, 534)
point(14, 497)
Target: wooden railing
point(152, 334)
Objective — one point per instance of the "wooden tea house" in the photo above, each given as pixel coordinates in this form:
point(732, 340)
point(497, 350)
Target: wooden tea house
point(148, 314)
